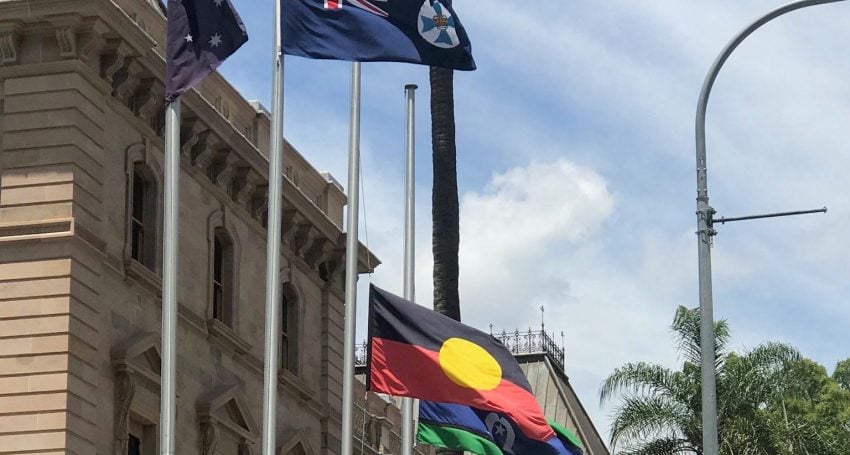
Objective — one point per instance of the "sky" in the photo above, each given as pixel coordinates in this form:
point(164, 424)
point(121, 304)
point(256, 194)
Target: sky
point(576, 168)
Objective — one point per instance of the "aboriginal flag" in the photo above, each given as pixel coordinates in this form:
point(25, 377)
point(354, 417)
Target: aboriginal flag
point(418, 353)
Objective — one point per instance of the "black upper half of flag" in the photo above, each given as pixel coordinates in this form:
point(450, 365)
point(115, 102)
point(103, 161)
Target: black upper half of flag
point(425, 32)
point(201, 35)
point(396, 319)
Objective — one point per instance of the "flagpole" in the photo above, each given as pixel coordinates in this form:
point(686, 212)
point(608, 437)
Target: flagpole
point(351, 262)
point(171, 214)
point(270, 362)
point(408, 429)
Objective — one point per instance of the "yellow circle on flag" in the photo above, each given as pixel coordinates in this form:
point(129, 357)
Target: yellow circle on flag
point(469, 365)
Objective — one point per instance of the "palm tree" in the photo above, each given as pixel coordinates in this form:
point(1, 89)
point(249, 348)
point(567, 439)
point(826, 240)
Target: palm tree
point(445, 216)
point(660, 409)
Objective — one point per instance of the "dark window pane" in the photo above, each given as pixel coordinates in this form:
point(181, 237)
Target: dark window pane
point(134, 446)
point(218, 259)
point(218, 302)
point(138, 197)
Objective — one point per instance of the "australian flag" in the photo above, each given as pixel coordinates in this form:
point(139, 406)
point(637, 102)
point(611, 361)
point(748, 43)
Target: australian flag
point(426, 32)
point(201, 34)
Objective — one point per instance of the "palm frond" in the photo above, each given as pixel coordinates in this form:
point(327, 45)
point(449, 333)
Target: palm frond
point(641, 378)
point(663, 446)
point(647, 418)
point(686, 326)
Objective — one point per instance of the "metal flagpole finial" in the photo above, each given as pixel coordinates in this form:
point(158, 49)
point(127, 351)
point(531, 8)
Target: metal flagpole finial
point(542, 319)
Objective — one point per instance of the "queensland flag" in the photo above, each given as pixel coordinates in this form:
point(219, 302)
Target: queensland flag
point(426, 32)
point(458, 427)
point(419, 353)
point(201, 34)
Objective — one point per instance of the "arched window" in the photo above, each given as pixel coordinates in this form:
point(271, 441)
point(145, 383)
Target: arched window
point(289, 332)
point(222, 278)
point(143, 217)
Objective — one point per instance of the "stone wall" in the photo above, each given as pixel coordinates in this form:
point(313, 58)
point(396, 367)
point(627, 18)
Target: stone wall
point(81, 102)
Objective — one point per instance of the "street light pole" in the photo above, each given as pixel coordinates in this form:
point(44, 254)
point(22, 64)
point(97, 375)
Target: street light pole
point(705, 229)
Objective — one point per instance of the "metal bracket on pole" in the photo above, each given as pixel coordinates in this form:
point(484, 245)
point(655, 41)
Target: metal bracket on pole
point(724, 220)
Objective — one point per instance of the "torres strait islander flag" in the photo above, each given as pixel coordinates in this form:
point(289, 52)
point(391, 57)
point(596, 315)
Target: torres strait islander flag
point(416, 352)
point(426, 32)
point(459, 427)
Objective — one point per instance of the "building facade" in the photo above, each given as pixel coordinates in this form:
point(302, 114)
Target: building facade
point(81, 171)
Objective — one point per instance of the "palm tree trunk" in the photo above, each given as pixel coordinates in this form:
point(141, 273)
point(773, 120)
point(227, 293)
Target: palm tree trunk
point(445, 216)
point(444, 196)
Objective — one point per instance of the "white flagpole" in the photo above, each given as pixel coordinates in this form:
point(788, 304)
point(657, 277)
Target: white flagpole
point(171, 215)
point(408, 428)
point(275, 213)
point(351, 260)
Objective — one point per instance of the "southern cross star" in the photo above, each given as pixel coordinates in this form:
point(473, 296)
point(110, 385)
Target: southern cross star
point(188, 38)
point(215, 40)
point(218, 2)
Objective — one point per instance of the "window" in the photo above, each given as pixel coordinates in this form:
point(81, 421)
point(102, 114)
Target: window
point(222, 278)
point(143, 218)
point(134, 446)
point(289, 334)
point(141, 437)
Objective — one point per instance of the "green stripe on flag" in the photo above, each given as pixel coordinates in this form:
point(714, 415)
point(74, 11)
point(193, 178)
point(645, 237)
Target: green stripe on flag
point(456, 439)
point(566, 434)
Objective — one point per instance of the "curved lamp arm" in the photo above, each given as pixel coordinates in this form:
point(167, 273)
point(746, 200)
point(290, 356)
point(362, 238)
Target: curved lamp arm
point(705, 230)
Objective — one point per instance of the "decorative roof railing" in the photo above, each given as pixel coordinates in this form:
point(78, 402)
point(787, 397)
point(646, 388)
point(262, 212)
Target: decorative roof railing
point(532, 342)
point(518, 343)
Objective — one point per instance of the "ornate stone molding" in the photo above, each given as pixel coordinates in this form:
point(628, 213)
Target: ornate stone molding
point(191, 130)
point(114, 56)
point(150, 98)
point(318, 250)
point(9, 40)
point(246, 447)
point(260, 202)
point(93, 41)
point(224, 408)
point(127, 81)
point(204, 153)
point(210, 435)
point(125, 389)
point(247, 180)
point(66, 35)
point(227, 168)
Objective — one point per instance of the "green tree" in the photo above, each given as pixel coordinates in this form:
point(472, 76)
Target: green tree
point(660, 409)
point(841, 375)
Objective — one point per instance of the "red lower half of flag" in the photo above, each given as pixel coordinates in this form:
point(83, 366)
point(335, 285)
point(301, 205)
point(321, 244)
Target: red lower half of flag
point(408, 370)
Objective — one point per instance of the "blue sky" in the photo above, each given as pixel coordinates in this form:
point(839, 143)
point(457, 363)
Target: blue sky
point(577, 174)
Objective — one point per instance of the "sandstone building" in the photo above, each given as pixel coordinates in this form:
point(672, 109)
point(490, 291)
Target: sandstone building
point(81, 153)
